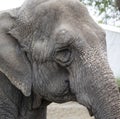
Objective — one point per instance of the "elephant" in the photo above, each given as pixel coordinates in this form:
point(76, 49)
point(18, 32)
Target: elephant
point(53, 51)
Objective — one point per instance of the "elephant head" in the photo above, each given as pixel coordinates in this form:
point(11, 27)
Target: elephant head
point(56, 50)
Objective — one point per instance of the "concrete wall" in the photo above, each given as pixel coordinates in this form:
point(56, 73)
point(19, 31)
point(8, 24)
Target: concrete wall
point(69, 110)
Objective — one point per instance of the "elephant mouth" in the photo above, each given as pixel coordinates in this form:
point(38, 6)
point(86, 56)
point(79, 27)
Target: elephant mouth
point(64, 96)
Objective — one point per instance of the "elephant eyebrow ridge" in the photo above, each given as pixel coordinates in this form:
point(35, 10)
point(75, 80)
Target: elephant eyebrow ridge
point(64, 37)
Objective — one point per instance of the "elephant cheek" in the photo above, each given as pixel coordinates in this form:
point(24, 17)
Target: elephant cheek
point(79, 84)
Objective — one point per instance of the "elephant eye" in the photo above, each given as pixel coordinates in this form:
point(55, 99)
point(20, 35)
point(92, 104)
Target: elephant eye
point(63, 56)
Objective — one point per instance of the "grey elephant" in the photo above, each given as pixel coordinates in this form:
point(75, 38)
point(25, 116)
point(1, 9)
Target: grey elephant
point(52, 51)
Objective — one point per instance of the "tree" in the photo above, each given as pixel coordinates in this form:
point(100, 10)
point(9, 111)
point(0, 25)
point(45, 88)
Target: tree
point(106, 10)
point(117, 3)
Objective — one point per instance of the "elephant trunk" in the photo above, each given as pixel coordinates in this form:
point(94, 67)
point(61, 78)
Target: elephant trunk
point(104, 95)
point(105, 99)
point(95, 86)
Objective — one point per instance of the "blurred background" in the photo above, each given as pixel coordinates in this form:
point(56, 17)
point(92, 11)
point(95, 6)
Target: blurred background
point(107, 14)
point(8, 4)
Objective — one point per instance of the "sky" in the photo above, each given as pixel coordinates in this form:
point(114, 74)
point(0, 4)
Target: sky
point(8, 4)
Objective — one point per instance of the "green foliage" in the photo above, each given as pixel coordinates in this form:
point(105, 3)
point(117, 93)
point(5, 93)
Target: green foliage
point(106, 10)
point(118, 82)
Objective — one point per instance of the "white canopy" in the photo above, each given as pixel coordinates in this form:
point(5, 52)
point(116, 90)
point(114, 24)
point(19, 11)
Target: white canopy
point(113, 48)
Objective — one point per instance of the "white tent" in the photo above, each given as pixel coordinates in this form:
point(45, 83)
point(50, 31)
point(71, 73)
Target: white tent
point(113, 48)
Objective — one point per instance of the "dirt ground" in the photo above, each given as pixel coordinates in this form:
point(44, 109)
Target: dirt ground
point(67, 111)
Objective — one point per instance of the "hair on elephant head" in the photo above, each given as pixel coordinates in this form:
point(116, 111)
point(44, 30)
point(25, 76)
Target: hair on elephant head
point(54, 49)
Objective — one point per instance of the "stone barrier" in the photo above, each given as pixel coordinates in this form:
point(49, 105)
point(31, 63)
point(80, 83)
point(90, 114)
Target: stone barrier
point(69, 110)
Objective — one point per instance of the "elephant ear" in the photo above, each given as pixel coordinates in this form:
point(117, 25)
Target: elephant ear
point(13, 61)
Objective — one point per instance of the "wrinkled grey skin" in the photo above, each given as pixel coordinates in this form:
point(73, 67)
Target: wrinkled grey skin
point(52, 51)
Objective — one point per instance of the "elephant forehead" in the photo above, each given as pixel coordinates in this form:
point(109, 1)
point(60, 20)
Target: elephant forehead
point(93, 34)
point(63, 9)
point(89, 34)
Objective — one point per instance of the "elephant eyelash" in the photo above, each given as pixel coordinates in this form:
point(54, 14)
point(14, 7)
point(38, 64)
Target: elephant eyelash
point(63, 53)
point(63, 56)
